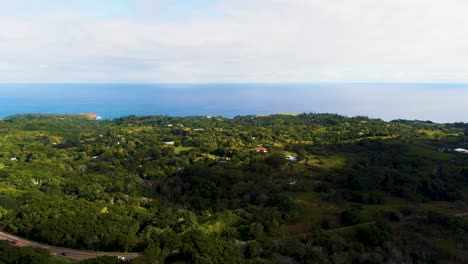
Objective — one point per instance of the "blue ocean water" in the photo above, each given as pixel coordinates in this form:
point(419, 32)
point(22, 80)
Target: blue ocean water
point(437, 102)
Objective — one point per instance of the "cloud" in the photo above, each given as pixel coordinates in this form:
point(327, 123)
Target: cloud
point(243, 41)
point(145, 7)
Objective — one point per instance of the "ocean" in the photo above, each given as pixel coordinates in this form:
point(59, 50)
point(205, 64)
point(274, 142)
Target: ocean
point(436, 102)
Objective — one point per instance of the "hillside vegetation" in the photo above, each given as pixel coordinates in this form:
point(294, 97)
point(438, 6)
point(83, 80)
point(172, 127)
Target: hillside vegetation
point(196, 190)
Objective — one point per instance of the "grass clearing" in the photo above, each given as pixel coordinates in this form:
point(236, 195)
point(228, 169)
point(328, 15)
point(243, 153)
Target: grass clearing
point(315, 210)
point(328, 163)
point(178, 150)
point(425, 152)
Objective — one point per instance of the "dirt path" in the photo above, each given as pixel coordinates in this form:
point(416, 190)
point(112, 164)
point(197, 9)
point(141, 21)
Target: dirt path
point(65, 252)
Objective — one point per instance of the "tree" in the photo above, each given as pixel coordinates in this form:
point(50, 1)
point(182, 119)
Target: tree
point(276, 160)
point(154, 254)
point(102, 260)
point(375, 234)
point(200, 248)
point(352, 216)
point(256, 231)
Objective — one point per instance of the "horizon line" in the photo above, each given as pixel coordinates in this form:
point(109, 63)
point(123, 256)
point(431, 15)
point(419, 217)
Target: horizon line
point(233, 83)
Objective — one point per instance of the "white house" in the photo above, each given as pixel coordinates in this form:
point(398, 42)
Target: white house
point(291, 158)
point(14, 159)
point(169, 143)
point(460, 150)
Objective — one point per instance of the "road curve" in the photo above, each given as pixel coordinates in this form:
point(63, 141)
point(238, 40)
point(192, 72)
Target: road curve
point(70, 253)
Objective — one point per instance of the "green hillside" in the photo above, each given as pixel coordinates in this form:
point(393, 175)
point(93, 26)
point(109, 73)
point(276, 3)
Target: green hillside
point(196, 190)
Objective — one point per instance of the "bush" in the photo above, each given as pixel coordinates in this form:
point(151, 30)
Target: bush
point(352, 216)
point(201, 248)
point(375, 234)
point(102, 260)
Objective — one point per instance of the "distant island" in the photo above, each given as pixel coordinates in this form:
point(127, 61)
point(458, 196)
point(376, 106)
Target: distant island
point(282, 188)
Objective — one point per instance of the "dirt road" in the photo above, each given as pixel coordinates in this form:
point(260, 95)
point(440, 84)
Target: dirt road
point(64, 252)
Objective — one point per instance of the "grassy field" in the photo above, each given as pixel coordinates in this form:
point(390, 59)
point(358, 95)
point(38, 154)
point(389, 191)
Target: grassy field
point(429, 153)
point(179, 150)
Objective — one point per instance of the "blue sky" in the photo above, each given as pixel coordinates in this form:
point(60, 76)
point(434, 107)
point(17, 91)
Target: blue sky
point(276, 41)
point(164, 9)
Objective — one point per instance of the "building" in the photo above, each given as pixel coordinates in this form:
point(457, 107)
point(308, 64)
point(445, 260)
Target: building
point(169, 143)
point(91, 116)
point(291, 181)
point(461, 150)
point(291, 158)
point(261, 149)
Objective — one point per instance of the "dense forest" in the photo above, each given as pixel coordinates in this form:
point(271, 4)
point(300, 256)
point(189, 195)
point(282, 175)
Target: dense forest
point(307, 188)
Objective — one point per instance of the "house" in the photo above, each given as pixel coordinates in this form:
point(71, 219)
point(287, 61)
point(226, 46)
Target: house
point(291, 158)
point(169, 143)
point(361, 134)
point(261, 149)
point(95, 157)
point(224, 159)
point(14, 159)
point(199, 129)
point(169, 125)
point(461, 150)
point(291, 181)
point(90, 116)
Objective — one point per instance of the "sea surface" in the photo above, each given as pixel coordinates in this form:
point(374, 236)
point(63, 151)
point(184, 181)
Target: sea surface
point(436, 102)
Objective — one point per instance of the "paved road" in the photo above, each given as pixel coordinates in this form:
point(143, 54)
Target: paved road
point(71, 253)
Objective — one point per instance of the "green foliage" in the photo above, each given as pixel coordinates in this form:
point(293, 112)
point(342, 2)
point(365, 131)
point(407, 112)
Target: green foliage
point(154, 254)
point(255, 231)
point(10, 254)
point(352, 216)
point(102, 260)
point(375, 234)
point(200, 248)
point(116, 186)
point(253, 250)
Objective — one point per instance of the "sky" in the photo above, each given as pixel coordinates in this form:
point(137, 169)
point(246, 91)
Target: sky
point(216, 41)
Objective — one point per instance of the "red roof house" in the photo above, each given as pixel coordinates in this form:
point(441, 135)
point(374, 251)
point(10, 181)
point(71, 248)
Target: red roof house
point(261, 149)
point(91, 116)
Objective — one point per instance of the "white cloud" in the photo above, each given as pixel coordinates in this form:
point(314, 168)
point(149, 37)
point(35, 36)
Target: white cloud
point(145, 7)
point(250, 40)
